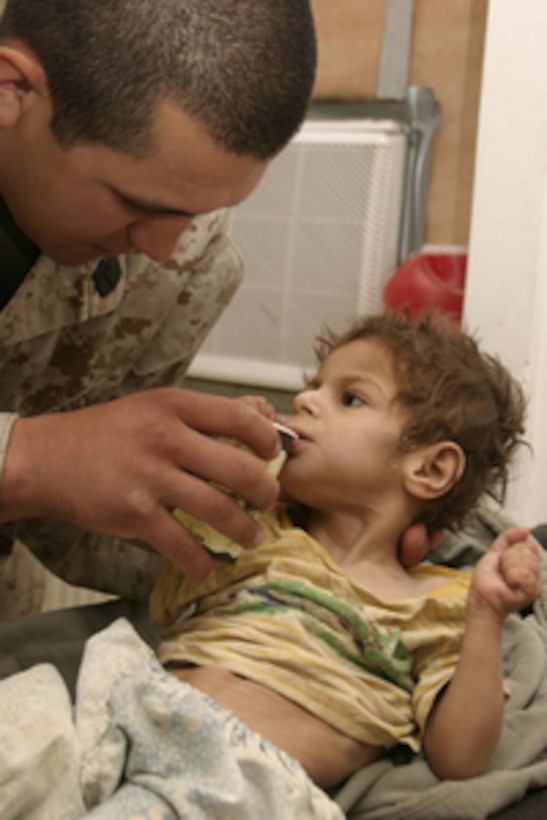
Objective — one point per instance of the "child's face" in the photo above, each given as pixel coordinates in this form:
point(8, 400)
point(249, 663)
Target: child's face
point(350, 427)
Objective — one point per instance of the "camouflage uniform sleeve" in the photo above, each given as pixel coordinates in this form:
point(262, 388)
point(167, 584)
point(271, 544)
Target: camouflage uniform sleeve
point(7, 421)
point(212, 282)
point(111, 564)
point(105, 564)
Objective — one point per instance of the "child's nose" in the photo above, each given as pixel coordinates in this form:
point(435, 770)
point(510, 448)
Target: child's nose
point(306, 402)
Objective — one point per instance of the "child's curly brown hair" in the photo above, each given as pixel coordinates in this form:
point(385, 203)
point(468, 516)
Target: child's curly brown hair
point(452, 391)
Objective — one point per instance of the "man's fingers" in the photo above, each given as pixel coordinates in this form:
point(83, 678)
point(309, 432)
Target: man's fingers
point(228, 466)
point(262, 405)
point(219, 416)
point(120, 469)
point(415, 544)
point(176, 544)
point(212, 506)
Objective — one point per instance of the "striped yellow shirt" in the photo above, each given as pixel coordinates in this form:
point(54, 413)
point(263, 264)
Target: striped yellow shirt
point(286, 616)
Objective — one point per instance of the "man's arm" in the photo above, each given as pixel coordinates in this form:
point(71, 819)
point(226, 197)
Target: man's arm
point(118, 467)
point(122, 467)
point(465, 723)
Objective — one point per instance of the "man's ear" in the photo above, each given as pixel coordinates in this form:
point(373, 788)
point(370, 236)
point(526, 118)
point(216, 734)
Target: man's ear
point(22, 82)
point(431, 471)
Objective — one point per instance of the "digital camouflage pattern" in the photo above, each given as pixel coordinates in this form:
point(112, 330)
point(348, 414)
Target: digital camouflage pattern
point(63, 346)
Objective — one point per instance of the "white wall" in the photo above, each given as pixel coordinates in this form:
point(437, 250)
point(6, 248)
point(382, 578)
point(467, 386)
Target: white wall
point(506, 293)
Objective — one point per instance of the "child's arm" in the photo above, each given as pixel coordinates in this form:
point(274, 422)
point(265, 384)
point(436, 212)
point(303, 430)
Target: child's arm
point(465, 723)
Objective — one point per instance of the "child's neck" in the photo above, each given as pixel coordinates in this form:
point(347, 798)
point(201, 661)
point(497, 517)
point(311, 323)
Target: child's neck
point(350, 539)
point(365, 548)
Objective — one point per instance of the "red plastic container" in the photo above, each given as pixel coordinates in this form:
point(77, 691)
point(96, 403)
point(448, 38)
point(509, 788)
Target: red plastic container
point(433, 279)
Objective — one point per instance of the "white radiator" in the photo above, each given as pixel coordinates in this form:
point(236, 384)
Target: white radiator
point(319, 237)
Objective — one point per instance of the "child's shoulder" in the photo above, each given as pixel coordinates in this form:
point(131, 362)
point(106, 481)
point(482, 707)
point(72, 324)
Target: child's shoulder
point(440, 581)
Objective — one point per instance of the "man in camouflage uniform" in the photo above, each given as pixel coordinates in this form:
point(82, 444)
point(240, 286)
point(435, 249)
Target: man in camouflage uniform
point(126, 130)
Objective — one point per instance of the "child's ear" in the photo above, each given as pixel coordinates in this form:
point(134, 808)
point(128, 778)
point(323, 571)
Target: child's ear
point(22, 82)
point(432, 470)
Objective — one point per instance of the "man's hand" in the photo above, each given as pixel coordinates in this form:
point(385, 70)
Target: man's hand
point(262, 406)
point(508, 577)
point(415, 544)
point(121, 468)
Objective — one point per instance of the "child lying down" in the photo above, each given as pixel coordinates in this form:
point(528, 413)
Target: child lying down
point(310, 656)
point(320, 640)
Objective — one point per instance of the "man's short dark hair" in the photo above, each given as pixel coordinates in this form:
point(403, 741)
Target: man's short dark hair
point(243, 68)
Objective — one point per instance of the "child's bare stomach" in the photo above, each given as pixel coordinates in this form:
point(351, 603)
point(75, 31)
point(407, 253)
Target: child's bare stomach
point(327, 755)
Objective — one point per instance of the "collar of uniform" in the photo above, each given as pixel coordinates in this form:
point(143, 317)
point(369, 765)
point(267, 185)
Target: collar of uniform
point(53, 296)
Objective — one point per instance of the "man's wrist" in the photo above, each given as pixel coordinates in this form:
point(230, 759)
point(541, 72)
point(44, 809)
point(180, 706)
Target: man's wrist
point(23, 462)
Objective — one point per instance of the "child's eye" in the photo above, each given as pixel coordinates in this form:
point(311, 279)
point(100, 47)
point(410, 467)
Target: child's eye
point(352, 400)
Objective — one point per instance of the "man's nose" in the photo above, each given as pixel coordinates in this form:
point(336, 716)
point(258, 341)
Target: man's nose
point(157, 236)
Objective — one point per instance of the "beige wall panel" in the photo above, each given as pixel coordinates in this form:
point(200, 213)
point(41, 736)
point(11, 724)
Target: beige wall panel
point(447, 53)
point(349, 34)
